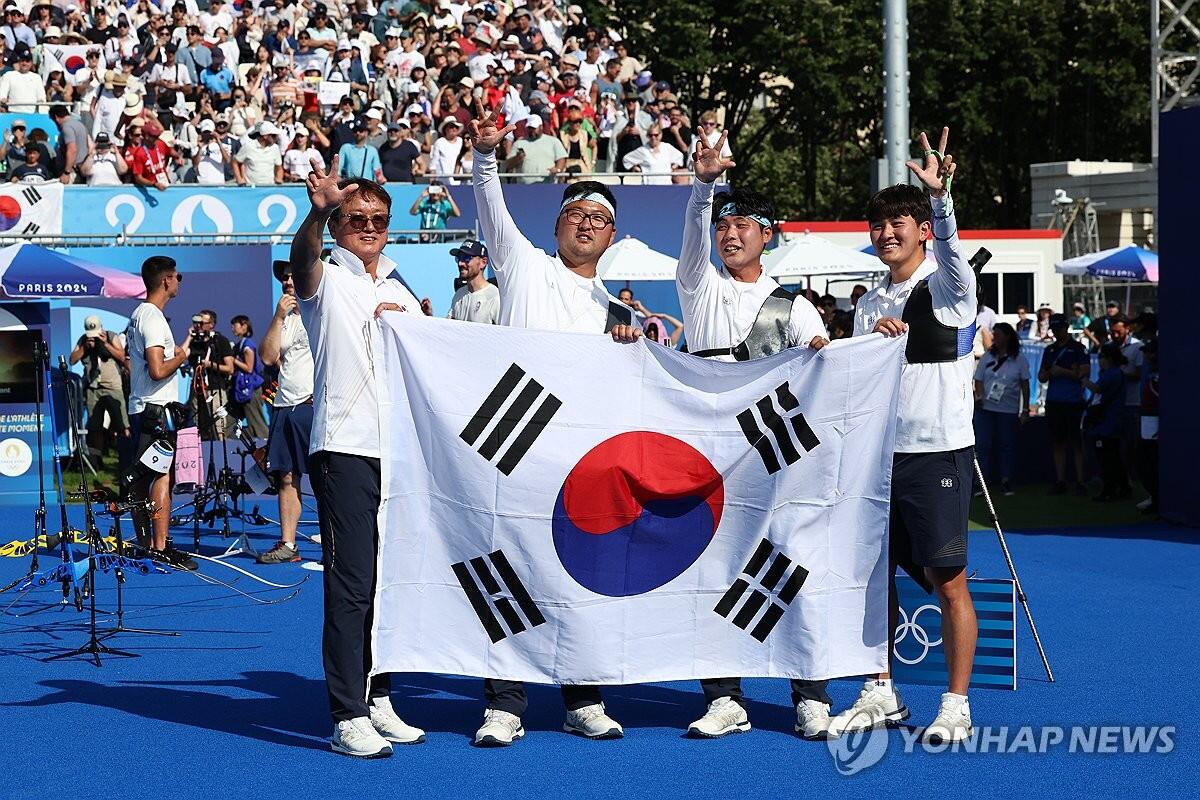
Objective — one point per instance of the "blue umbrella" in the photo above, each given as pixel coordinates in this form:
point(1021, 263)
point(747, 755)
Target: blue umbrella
point(1130, 263)
point(28, 271)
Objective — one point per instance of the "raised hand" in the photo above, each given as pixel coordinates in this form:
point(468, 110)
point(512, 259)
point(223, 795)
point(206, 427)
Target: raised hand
point(938, 166)
point(707, 161)
point(323, 191)
point(483, 131)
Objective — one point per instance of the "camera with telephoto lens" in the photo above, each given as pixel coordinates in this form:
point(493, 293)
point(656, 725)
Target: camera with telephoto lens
point(201, 341)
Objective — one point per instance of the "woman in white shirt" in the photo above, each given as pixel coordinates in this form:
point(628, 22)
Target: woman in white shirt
point(297, 161)
point(1002, 397)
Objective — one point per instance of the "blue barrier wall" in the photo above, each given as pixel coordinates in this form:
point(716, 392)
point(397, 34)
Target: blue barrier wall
point(1178, 179)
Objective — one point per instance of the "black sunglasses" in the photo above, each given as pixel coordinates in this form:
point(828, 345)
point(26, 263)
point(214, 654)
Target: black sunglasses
point(358, 222)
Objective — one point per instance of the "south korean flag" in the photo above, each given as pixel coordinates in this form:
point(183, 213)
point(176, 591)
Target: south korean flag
point(563, 508)
point(30, 209)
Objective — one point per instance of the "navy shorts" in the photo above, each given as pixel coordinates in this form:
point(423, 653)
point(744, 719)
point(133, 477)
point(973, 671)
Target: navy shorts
point(931, 501)
point(287, 446)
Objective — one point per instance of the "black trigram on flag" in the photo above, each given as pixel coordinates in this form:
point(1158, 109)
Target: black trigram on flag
point(478, 578)
point(779, 430)
point(509, 419)
point(32, 195)
point(31, 228)
point(773, 586)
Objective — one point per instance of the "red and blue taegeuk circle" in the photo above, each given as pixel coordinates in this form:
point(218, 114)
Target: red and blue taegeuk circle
point(74, 63)
point(10, 213)
point(635, 512)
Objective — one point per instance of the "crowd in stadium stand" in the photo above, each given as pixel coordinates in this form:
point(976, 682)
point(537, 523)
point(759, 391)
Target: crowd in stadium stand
point(199, 91)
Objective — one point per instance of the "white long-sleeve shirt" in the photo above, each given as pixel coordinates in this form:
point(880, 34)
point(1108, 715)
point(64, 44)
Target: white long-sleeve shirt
point(719, 311)
point(936, 401)
point(536, 289)
point(22, 90)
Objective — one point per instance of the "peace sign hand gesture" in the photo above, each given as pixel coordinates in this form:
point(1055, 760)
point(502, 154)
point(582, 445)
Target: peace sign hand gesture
point(707, 161)
point(323, 190)
point(483, 131)
point(939, 167)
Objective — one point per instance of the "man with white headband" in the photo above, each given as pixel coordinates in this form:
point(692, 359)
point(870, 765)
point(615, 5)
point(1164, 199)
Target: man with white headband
point(560, 292)
point(736, 312)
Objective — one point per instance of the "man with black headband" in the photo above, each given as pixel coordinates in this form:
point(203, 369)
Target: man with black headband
point(932, 470)
point(736, 312)
point(560, 292)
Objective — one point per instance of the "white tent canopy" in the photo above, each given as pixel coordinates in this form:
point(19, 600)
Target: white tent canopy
point(811, 256)
point(631, 259)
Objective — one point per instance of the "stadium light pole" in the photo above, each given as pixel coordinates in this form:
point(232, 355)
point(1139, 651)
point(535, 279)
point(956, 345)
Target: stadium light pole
point(896, 136)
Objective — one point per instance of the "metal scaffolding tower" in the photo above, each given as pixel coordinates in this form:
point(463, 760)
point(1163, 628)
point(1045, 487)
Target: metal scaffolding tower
point(1174, 60)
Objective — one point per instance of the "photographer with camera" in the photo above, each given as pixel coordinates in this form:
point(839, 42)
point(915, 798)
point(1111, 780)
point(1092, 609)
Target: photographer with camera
point(154, 411)
point(211, 359)
point(103, 354)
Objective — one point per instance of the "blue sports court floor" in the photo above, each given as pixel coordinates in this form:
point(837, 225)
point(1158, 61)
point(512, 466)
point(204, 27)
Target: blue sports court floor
point(235, 706)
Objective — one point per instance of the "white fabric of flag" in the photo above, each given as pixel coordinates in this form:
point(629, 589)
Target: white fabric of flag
point(27, 209)
point(562, 508)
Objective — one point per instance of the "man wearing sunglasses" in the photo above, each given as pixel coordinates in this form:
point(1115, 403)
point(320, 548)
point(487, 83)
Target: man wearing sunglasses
point(560, 292)
point(340, 299)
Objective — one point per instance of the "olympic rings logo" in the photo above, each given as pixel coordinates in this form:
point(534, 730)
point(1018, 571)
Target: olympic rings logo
point(919, 634)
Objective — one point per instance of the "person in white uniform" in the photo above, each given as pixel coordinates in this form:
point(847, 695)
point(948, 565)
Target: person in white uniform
point(341, 299)
point(478, 299)
point(285, 345)
point(736, 312)
point(932, 470)
point(560, 292)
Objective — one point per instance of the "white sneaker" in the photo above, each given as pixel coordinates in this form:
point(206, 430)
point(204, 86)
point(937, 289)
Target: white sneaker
point(1142, 506)
point(952, 723)
point(872, 709)
point(812, 719)
point(357, 737)
point(390, 726)
point(592, 722)
point(724, 716)
point(499, 729)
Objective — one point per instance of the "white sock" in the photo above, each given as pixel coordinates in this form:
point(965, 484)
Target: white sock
point(959, 698)
point(882, 685)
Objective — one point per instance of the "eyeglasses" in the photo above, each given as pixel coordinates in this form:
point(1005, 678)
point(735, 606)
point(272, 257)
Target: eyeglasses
point(598, 221)
point(179, 277)
point(358, 222)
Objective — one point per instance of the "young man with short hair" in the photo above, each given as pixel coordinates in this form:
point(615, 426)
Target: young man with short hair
point(340, 299)
point(560, 292)
point(736, 312)
point(154, 362)
point(932, 470)
point(285, 345)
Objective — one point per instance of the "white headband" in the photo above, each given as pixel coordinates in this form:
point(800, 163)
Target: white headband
point(591, 197)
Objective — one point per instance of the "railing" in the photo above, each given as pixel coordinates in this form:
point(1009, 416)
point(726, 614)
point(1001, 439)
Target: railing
point(620, 178)
point(219, 239)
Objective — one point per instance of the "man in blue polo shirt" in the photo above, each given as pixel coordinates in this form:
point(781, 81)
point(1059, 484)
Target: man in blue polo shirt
point(218, 80)
point(359, 159)
point(1064, 362)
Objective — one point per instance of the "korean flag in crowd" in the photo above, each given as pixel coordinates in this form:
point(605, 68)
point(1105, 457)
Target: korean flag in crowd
point(562, 508)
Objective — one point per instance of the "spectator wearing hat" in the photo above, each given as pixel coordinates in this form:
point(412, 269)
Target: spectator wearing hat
point(103, 355)
point(21, 89)
point(477, 299)
point(376, 130)
point(536, 158)
point(218, 80)
point(399, 154)
point(578, 137)
point(433, 207)
point(445, 150)
point(73, 144)
point(104, 165)
point(15, 31)
point(217, 16)
point(358, 159)
point(406, 57)
point(147, 156)
point(212, 159)
point(1064, 363)
point(456, 67)
point(301, 155)
point(283, 86)
point(1080, 322)
point(481, 63)
point(259, 162)
point(1098, 332)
